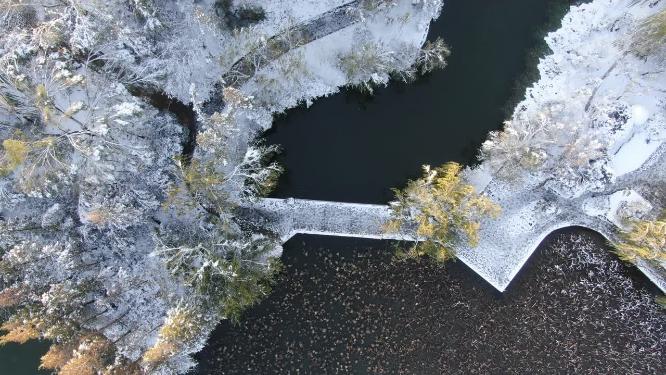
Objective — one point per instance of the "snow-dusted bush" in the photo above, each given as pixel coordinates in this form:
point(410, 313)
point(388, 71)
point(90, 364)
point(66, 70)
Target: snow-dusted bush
point(650, 38)
point(433, 56)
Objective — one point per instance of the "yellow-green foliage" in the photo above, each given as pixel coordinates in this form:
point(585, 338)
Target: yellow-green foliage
point(444, 208)
point(204, 186)
point(43, 102)
point(57, 356)
point(18, 151)
point(19, 331)
point(91, 358)
point(644, 240)
point(651, 35)
point(248, 287)
point(180, 327)
point(14, 153)
point(661, 301)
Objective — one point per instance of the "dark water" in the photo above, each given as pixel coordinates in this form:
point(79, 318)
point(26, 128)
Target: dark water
point(353, 148)
point(22, 359)
point(343, 306)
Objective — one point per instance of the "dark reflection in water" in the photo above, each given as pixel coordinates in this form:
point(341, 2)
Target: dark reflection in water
point(23, 359)
point(574, 309)
point(347, 149)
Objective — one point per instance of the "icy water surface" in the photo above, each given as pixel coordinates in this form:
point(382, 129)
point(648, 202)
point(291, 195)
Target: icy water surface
point(343, 306)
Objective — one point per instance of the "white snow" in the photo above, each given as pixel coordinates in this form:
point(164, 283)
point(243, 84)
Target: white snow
point(620, 202)
point(634, 153)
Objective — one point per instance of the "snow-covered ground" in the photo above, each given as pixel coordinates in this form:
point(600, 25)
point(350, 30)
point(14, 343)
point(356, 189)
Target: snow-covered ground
point(99, 188)
point(621, 100)
point(397, 30)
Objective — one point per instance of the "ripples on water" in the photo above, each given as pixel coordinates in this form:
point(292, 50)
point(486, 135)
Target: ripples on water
point(575, 308)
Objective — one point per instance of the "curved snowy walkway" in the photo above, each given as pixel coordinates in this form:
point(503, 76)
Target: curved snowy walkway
point(502, 251)
point(299, 35)
point(289, 217)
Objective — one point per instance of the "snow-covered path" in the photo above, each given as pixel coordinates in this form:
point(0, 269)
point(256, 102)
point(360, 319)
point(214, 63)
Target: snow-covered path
point(324, 24)
point(288, 217)
point(499, 257)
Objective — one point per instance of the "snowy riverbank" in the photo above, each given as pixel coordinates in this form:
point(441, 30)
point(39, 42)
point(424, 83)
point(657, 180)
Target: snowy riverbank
point(610, 104)
point(117, 225)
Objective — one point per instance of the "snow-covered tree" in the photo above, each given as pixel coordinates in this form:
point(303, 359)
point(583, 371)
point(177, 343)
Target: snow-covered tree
point(89, 175)
point(433, 56)
point(553, 141)
point(643, 240)
point(650, 38)
point(183, 325)
point(367, 64)
point(442, 209)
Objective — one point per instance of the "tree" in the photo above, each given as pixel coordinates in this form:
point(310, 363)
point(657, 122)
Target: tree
point(441, 209)
point(650, 36)
point(181, 326)
point(553, 140)
point(433, 56)
point(644, 240)
point(90, 358)
point(229, 273)
point(57, 356)
point(366, 64)
point(19, 330)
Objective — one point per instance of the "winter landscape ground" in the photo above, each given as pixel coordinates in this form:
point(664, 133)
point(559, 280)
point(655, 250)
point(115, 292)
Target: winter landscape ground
point(133, 175)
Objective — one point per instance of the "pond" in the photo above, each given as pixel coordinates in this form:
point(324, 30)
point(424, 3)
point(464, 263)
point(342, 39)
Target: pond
point(355, 148)
point(343, 306)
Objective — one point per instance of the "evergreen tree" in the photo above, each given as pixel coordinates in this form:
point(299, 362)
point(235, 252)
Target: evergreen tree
point(441, 209)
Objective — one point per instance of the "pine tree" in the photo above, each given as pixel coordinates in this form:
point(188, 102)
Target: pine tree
point(442, 209)
point(91, 357)
point(181, 326)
